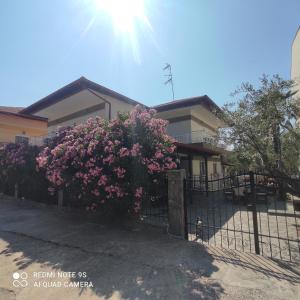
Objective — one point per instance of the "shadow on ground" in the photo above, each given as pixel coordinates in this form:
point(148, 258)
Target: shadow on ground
point(134, 263)
point(129, 264)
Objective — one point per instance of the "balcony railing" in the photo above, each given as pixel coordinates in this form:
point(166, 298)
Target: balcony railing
point(198, 137)
point(37, 140)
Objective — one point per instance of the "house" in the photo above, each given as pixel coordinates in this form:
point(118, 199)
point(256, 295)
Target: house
point(18, 127)
point(78, 101)
point(193, 122)
point(295, 69)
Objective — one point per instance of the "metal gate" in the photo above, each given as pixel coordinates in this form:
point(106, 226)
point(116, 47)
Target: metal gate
point(246, 212)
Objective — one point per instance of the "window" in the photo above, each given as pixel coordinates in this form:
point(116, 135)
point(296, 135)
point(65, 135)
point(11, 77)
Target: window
point(21, 139)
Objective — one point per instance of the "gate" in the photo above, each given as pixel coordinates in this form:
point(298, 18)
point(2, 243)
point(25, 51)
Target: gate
point(245, 212)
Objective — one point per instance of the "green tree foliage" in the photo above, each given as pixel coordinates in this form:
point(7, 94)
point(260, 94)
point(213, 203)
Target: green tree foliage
point(261, 130)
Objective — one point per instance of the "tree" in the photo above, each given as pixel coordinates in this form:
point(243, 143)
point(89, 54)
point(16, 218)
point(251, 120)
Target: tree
point(261, 131)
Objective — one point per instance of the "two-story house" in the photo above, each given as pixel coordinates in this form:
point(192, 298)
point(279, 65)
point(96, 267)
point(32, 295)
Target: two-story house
point(193, 122)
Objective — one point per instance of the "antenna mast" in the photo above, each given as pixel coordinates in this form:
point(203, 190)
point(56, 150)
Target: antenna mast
point(169, 76)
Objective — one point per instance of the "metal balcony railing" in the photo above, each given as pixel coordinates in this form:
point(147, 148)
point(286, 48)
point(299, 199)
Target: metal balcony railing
point(198, 137)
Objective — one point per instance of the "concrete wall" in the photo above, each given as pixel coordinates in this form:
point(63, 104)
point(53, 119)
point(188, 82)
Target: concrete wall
point(12, 126)
point(295, 68)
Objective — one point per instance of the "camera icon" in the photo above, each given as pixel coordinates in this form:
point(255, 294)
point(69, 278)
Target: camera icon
point(20, 279)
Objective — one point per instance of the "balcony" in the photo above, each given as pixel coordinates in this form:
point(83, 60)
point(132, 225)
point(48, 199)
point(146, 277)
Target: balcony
point(200, 136)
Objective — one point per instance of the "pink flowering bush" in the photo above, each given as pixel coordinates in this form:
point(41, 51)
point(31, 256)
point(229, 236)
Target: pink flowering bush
point(13, 165)
point(18, 166)
point(116, 163)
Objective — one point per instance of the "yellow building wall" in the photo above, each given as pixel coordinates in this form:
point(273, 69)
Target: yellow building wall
point(12, 126)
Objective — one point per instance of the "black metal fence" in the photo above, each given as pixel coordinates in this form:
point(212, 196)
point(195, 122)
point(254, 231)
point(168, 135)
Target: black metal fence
point(252, 212)
point(155, 206)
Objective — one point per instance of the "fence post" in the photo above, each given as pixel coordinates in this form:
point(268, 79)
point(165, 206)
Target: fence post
point(176, 203)
point(60, 195)
point(254, 213)
point(16, 194)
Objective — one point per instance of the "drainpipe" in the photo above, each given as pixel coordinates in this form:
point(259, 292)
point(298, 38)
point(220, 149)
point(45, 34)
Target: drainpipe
point(103, 99)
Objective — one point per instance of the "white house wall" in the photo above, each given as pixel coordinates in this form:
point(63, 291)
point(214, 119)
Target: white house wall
point(78, 120)
point(85, 100)
point(70, 105)
point(117, 105)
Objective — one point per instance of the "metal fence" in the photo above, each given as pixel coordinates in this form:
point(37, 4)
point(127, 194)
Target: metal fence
point(155, 206)
point(246, 212)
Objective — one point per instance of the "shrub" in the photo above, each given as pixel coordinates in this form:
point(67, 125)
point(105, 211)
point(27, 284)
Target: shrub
point(15, 162)
point(110, 164)
point(18, 166)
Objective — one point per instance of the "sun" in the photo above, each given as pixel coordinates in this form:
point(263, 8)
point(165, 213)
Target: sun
point(124, 13)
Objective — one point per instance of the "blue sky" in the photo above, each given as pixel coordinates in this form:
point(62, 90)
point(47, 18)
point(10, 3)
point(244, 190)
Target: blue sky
point(212, 45)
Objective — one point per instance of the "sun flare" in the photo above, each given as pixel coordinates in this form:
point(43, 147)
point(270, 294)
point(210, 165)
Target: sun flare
point(124, 13)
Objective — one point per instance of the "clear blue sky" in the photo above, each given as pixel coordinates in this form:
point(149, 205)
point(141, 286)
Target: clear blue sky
point(212, 45)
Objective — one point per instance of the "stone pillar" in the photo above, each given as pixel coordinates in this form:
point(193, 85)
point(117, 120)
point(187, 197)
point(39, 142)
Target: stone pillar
point(60, 195)
point(177, 212)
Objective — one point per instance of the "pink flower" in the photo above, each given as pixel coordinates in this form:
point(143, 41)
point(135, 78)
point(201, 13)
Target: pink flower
point(124, 152)
point(153, 167)
point(171, 165)
point(139, 192)
point(120, 172)
point(137, 206)
point(102, 180)
point(109, 159)
point(96, 193)
point(159, 154)
point(136, 148)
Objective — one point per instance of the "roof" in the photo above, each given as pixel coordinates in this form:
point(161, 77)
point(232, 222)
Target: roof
point(11, 109)
point(72, 88)
point(204, 100)
point(197, 149)
point(20, 115)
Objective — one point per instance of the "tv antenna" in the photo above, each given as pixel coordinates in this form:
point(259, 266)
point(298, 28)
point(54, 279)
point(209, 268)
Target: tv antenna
point(169, 76)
